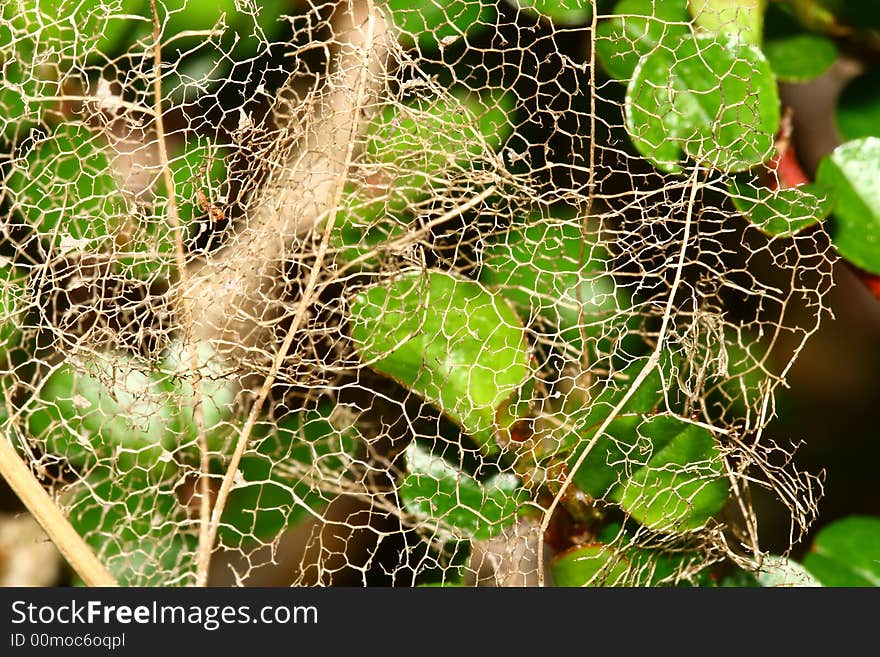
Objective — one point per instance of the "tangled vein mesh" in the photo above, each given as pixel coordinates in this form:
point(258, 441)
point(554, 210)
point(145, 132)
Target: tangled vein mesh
point(262, 275)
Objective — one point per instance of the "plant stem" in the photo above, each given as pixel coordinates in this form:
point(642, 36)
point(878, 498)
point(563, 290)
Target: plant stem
point(362, 50)
point(203, 555)
point(653, 360)
point(68, 541)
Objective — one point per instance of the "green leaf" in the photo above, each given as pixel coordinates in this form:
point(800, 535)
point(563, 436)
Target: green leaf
point(741, 386)
point(847, 553)
point(742, 19)
point(419, 144)
point(800, 57)
point(778, 572)
point(411, 152)
point(365, 224)
point(549, 271)
point(784, 211)
point(604, 466)
point(851, 172)
point(239, 35)
point(217, 394)
point(429, 23)
point(607, 565)
point(775, 572)
point(794, 54)
point(115, 408)
point(13, 306)
point(67, 191)
point(654, 567)
point(639, 27)
point(858, 108)
point(21, 80)
point(590, 565)
point(713, 99)
point(198, 164)
point(665, 568)
point(560, 12)
point(106, 411)
point(494, 110)
point(276, 488)
point(133, 526)
point(437, 491)
point(53, 25)
point(251, 34)
point(447, 339)
point(680, 483)
point(739, 578)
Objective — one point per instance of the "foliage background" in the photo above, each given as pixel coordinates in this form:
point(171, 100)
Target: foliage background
point(832, 391)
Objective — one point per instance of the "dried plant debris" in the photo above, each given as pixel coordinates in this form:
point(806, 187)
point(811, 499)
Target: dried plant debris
point(401, 293)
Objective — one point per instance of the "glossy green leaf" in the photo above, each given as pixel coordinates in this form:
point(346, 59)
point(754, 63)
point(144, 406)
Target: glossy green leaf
point(680, 484)
point(197, 165)
point(739, 389)
point(239, 35)
point(138, 537)
point(54, 25)
point(431, 24)
point(743, 19)
point(795, 55)
point(659, 567)
point(655, 567)
point(200, 61)
point(712, 99)
point(217, 397)
point(851, 172)
point(784, 211)
point(275, 489)
point(847, 553)
point(615, 564)
point(435, 490)
point(780, 572)
point(185, 15)
point(549, 271)
point(800, 57)
point(413, 148)
point(858, 108)
point(446, 338)
point(66, 189)
point(494, 111)
point(639, 27)
point(590, 565)
point(606, 462)
point(560, 12)
point(775, 572)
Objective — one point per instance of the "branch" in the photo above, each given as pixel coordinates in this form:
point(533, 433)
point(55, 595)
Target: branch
point(234, 291)
point(185, 310)
point(230, 293)
point(68, 541)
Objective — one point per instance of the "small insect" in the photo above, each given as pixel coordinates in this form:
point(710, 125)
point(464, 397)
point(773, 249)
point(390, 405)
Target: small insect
point(215, 212)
